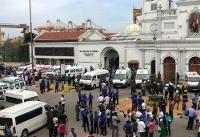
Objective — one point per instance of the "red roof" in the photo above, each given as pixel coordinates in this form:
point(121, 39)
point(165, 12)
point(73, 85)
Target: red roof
point(65, 36)
point(59, 36)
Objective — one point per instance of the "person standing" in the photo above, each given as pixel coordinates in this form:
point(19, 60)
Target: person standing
point(91, 118)
point(84, 114)
point(168, 119)
point(62, 100)
point(151, 128)
point(90, 100)
point(7, 130)
point(96, 123)
point(128, 129)
point(192, 114)
point(141, 128)
point(62, 129)
point(48, 84)
point(56, 85)
point(72, 133)
point(115, 128)
point(77, 110)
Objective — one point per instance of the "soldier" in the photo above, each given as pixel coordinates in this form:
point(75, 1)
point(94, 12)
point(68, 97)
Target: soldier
point(77, 109)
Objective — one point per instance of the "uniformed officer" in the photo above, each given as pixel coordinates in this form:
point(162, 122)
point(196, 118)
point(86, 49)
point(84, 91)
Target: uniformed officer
point(77, 110)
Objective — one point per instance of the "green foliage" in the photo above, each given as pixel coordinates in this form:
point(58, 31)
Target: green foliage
point(16, 52)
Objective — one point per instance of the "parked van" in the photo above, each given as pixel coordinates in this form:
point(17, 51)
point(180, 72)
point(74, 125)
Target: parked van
point(24, 118)
point(16, 96)
point(74, 70)
point(14, 82)
point(21, 70)
point(141, 74)
point(52, 71)
point(91, 79)
point(122, 77)
point(192, 80)
point(3, 88)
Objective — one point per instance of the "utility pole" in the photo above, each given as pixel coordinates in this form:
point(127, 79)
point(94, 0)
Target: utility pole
point(31, 42)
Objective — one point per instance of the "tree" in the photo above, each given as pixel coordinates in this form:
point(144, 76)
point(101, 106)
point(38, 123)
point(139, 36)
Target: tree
point(27, 37)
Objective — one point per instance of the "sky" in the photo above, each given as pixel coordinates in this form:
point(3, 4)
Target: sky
point(113, 15)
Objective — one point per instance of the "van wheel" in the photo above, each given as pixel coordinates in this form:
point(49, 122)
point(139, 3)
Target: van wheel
point(94, 87)
point(25, 133)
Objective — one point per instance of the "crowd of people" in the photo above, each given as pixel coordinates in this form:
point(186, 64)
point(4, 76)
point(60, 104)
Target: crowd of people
point(140, 120)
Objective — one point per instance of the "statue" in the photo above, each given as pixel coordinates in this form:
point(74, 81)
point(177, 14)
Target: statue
point(194, 22)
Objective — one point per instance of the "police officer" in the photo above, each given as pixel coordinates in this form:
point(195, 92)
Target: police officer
point(96, 123)
point(90, 100)
point(91, 118)
point(84, 114)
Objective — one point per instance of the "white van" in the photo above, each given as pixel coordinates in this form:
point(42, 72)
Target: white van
point(91, 79)
point(14, 82)
point(16, 96)
point(24, 118)
point(74, 70)
point(122, 78)
point(52, 71)
point(21, 70)
point(141, 74)
point(192, 80)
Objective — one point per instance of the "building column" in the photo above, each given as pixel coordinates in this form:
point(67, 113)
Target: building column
point(179, 62)
point(143, 58)
point(125, 58)
point(158, 62)
point(185, 63)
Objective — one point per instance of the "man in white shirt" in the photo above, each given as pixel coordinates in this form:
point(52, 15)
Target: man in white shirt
point(138, 114)
point(161, 116)
point(100, 99)
point(107, 100)
point(141, 128)
point(62, 100)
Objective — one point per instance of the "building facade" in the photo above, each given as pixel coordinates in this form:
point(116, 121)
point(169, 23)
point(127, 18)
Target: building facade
point(168, 41)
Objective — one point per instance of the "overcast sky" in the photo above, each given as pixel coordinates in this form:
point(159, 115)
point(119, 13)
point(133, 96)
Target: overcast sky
point(113, 15)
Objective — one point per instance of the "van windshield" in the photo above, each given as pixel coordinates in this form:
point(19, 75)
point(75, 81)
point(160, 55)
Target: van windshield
point(32, 99)
point(87, 77)
point(141, 76)
point(194, 79)
point(119, 76)
point(13, 100)
point(4, 121)
point(20, 69)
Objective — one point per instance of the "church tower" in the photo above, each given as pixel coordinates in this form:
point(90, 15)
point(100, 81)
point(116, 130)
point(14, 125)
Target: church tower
point(149, 13)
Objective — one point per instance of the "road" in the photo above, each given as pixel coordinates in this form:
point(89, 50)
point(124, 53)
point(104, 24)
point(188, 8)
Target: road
point(178, 126)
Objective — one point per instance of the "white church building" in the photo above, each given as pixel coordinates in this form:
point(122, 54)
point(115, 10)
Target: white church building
point(167, 41)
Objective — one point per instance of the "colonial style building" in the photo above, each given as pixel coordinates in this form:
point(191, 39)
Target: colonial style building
point(167, 41)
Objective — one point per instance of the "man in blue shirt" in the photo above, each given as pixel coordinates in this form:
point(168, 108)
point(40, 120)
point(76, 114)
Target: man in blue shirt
point(84, 114)
point(192, 114)
point(90, 99)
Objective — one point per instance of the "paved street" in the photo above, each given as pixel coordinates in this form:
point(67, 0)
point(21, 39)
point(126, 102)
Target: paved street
point(178, 125)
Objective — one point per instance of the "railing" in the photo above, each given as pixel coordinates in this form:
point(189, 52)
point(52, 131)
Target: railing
point(168, 12)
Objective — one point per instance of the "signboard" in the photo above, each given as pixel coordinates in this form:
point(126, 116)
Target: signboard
point(62, 69)
point(89, 52)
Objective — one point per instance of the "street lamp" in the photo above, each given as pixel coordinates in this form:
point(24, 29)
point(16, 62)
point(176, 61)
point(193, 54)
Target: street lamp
point(31, 42)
